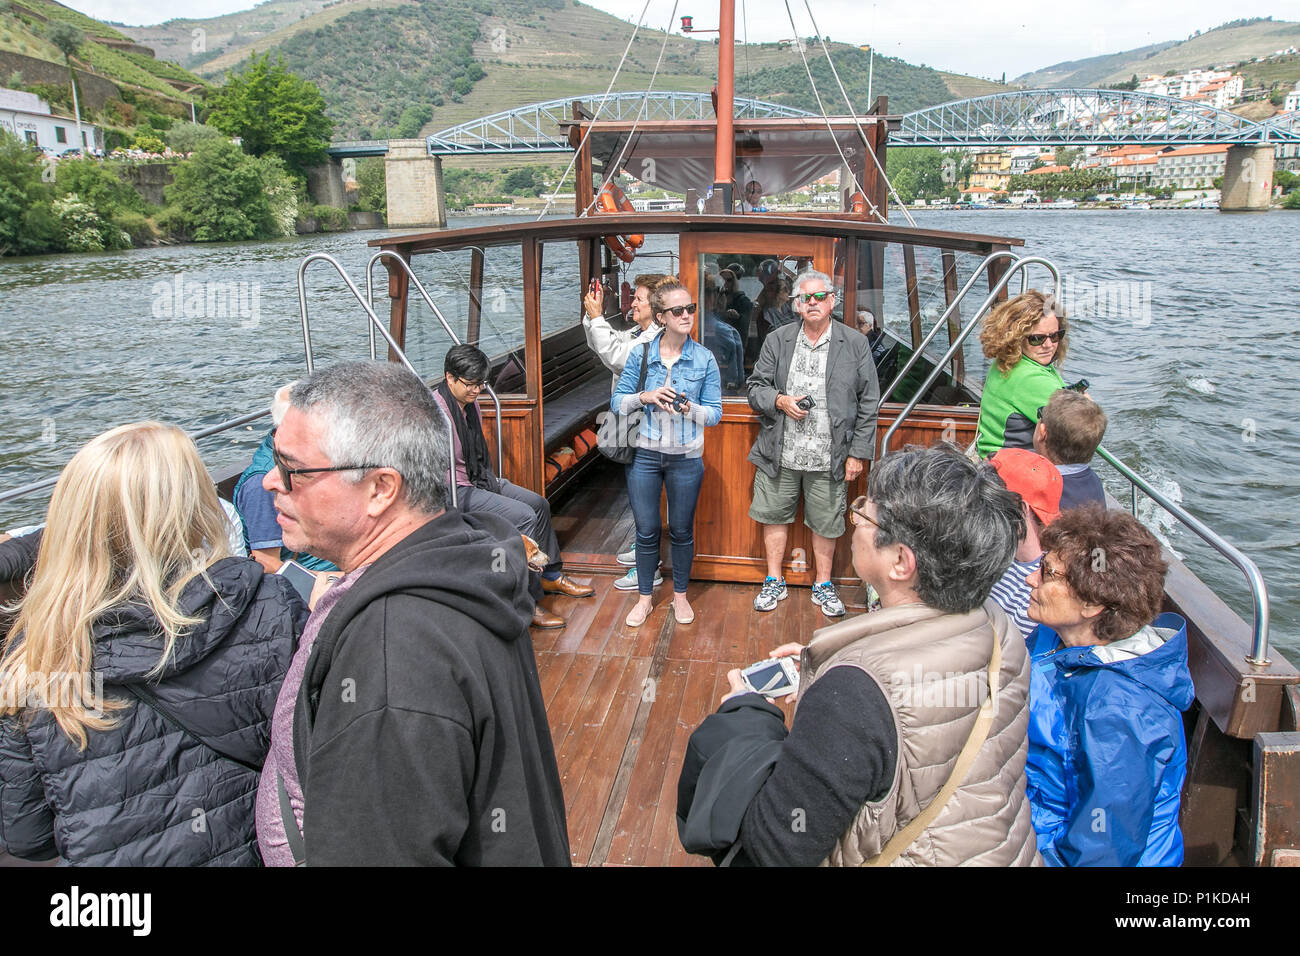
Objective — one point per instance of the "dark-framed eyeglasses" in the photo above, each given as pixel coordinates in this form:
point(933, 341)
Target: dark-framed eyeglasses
point(859, 508)
point(806, 297)
point(287, 473)
point(679, 310)
point(1038, 338)
point(472, 385)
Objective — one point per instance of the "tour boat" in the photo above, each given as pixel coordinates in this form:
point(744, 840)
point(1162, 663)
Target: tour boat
point(622, 701)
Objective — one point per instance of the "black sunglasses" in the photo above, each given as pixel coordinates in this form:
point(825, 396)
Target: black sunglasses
point(680, 310)
point(806, 297)
point(1038, 338)
point(287, 473)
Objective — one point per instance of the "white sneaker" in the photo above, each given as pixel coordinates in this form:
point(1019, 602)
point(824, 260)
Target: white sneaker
point(628, 558)
point(773, 591)
point(824, 594)
point(628, 581)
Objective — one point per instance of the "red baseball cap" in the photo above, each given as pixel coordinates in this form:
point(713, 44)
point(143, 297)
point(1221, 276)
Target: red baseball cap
point(1033, 478)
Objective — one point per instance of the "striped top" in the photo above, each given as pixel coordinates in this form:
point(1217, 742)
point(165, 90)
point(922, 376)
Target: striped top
point(1012, 594)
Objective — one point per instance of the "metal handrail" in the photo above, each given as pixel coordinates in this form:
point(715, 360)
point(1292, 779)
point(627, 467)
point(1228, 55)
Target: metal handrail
point(373, 324)
point(370, 297)
point(45, 484)
point(942, 321)
point(1019, 264)
point(1255, 580)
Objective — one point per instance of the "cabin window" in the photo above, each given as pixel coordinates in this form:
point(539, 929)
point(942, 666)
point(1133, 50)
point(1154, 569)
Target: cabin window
point(478, 292)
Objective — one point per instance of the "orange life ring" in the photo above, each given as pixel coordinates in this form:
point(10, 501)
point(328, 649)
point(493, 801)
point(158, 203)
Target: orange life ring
point(859, 203)
point(612, 199)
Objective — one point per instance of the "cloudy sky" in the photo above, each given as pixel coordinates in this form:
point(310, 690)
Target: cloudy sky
point(979, 37)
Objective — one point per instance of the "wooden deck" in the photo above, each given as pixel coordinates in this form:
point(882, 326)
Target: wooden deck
point(623, 701)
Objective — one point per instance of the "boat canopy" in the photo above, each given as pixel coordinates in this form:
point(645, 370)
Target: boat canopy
point(782, 154)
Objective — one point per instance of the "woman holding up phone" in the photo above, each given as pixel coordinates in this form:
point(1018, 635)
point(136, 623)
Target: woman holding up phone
point(681, 395)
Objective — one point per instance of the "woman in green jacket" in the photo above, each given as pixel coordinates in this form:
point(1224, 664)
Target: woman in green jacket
point(1026, 338)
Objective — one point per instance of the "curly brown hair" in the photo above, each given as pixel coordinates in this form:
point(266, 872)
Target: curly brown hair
point(1008, 324)
point(1110, 559)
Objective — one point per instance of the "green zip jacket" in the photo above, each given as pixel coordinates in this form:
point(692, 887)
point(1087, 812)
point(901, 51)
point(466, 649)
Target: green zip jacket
point(1010, 403)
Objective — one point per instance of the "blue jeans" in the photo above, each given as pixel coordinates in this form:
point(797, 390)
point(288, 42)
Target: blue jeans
point(649, 472)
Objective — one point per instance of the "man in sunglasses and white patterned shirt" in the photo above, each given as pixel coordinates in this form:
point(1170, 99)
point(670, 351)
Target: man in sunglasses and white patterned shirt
point(814, 386)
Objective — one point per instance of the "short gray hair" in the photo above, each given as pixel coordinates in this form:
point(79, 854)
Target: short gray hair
point(807, 276)
point(957, 517)
point(378, 412)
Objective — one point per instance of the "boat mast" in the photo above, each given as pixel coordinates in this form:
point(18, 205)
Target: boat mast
point(724, 148)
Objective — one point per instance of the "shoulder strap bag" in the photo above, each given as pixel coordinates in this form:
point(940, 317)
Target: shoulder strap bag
point(626, 426)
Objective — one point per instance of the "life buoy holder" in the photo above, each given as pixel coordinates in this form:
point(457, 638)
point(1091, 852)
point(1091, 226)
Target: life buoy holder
point(612, 199)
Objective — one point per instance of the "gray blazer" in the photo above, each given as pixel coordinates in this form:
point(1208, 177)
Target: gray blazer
point(852, 394)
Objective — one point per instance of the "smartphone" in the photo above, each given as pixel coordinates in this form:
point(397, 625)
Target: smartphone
point(302, 580)
point(806, 403)
point(772, 678)
point(593, 285)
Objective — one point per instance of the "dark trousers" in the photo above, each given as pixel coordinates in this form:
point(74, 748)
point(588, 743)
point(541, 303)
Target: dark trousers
point(649, 473)
point(527, 511)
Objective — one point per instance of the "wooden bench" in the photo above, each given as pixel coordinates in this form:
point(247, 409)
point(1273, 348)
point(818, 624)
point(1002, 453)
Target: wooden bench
point(575, 390)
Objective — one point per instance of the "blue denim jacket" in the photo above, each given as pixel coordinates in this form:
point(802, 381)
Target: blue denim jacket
point(695, 375)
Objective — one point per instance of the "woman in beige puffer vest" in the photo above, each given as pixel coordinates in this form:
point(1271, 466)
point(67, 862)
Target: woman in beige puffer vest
point(889, 699)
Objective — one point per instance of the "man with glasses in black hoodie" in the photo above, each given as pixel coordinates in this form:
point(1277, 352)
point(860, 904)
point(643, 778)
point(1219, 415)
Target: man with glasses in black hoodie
point(417, 733)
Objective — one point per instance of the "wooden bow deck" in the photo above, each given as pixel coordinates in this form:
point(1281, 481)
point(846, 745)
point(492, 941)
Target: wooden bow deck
point(622, 702)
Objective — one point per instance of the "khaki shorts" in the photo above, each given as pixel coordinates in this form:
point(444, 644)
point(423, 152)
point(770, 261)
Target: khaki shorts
point(825, 500)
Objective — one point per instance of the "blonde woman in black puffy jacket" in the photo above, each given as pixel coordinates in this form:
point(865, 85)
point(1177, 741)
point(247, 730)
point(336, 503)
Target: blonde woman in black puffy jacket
point(137, 683)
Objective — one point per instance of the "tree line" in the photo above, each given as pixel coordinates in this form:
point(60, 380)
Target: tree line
point(244, 177)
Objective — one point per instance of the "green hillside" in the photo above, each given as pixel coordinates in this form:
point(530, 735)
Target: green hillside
point(405, 67)
point(175, 40)
point(24, 27)
point(1235, 42)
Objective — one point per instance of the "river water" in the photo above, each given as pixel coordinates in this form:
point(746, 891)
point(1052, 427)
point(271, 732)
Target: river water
point(1181, 324)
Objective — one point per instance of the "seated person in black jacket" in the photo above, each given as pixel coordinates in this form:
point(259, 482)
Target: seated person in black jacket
point(1070, 427)
point(139, 619)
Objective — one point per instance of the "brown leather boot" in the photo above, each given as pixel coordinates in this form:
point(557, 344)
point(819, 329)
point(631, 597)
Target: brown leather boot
point(544, 618)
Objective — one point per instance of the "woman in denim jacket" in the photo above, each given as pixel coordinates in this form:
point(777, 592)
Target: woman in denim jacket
point(682, 396)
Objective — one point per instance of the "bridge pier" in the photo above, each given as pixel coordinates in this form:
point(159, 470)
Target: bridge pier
point(325, 184)
point(1247, 179)
point(414, 182)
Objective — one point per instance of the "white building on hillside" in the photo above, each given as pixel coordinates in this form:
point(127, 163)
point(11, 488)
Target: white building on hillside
point(1218, 88)
point(28, 117)
point(1292, 101)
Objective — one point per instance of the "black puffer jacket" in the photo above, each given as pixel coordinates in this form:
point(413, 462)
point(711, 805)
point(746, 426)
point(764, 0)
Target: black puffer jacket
point(145, 792)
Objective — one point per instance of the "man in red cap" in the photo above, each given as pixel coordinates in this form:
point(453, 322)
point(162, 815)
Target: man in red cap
point(1038, 483)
